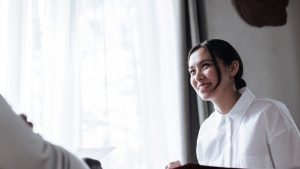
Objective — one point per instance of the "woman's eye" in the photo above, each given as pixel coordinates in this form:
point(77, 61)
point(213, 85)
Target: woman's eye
point(192, 71)
point(205, 65)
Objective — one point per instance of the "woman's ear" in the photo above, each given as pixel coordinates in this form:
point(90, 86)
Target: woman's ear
point(234, 68)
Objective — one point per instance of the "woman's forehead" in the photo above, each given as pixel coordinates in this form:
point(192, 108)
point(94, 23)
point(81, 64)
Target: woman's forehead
point(199, 55)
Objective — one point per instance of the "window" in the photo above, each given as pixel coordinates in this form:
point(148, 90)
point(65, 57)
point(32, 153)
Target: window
point(96, 75)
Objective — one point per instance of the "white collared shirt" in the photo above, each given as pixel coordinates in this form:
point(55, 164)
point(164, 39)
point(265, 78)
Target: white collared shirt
point(256, 133)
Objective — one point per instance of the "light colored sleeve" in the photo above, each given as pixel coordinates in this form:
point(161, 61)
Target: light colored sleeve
point(20, 147)
point(285, 149)
point(284, 140)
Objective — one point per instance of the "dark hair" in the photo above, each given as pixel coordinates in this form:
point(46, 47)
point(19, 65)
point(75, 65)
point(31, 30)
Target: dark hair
point(224, 51)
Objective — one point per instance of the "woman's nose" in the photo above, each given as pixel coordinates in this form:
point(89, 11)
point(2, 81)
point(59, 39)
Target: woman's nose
point(199, 75)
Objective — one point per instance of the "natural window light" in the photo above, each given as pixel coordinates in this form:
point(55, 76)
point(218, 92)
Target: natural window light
point(97, 77)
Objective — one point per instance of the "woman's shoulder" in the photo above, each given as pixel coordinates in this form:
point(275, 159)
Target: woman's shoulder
point(274, 113)
point(268, 104)
point(270, 108)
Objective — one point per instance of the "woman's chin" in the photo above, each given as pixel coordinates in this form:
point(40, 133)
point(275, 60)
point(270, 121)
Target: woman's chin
point(204, 96)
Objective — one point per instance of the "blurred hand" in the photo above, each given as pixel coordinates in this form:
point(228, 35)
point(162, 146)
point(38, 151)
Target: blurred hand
point(24, 117)
point(174, 164)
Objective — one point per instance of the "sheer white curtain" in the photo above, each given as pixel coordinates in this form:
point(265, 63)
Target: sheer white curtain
point(97, 73)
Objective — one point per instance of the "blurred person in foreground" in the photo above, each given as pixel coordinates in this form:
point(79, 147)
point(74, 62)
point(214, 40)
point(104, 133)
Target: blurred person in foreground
point(21, 148)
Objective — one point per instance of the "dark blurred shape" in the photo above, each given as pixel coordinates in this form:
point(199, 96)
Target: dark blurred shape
point(262, 12)
point(24, 118)
point(197, 166)
point(92, 163)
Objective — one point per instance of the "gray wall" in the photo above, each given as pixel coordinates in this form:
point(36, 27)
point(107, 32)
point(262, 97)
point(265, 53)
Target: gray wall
point(271, 55)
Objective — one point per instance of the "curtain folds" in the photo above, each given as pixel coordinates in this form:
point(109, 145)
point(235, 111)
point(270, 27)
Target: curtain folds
point(193, 32)
point(98, 75)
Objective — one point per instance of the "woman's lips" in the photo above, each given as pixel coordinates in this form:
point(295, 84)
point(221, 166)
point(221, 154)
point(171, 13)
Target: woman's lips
point(203, 86)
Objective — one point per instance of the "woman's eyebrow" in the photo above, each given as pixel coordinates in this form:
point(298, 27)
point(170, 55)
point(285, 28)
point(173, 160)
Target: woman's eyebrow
point(205, 60)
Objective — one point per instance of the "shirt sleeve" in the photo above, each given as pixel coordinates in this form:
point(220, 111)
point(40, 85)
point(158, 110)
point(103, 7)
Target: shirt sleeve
point(20, 147)
point(285, 149)
point(284, 140)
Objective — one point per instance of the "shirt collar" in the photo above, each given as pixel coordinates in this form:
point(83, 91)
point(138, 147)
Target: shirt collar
point(238, 110)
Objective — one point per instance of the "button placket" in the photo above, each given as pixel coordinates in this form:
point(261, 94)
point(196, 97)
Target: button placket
point(228, 151)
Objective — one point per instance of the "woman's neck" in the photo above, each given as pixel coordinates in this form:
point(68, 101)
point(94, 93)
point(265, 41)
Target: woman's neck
point(226, 101)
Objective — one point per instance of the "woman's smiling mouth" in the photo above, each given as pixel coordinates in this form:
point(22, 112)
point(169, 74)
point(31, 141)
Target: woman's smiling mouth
point(203, 86)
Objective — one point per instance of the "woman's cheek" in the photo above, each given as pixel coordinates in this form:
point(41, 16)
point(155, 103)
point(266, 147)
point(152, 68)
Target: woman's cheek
point(193, 82)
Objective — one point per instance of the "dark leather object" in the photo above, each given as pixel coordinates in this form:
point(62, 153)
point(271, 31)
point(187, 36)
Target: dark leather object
point(197, 166)
point(262, 12)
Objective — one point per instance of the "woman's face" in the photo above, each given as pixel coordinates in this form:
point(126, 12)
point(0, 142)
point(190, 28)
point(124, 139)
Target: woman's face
point(204, 77)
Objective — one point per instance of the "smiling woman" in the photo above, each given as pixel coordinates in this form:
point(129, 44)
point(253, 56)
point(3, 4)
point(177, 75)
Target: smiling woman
point(215, 68)
point(244, 131)
point(90, 74)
